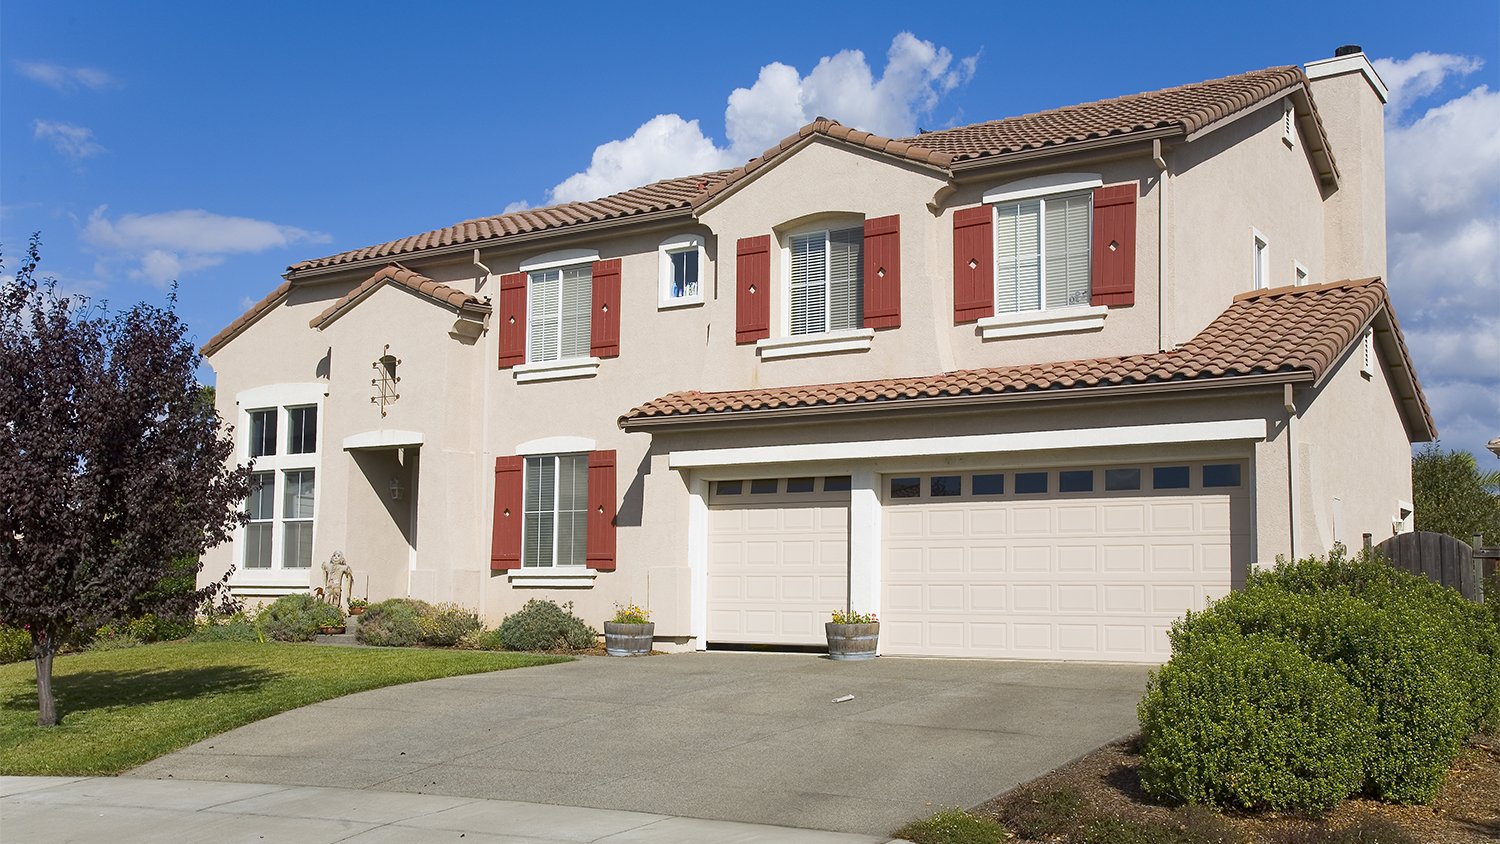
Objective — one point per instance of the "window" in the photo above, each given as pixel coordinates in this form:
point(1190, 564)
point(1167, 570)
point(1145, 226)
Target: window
point(262, 432)
point(1042, 253)
point(682, 260)
point(989, 485)
point(801, 484)
point(906, 487)
point(262, 520)
point(727, 488)
point(827, 280)
point(1221, 474)
point(1116, 480)
point(837, 483)
point(560, 312)
point(1076, 481)
point(297, 519)
point(764, 486)
point(1169, 477)
point(1261, 268)
point(555, 511)
point(302, 430)
point(1031, 483)
point(943, 486)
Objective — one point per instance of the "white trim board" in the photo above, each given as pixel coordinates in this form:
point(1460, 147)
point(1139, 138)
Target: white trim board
point(386, 438)
point(1215, 431)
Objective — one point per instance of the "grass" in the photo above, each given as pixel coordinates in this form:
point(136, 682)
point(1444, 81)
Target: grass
point(954, 826)
point(121, 708)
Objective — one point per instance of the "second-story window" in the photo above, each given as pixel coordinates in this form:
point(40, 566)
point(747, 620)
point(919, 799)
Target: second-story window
point(1042, 256)
point(302, 429)
point(682, 261)
point(263, 432)
point(827, 280)
point(559, 313)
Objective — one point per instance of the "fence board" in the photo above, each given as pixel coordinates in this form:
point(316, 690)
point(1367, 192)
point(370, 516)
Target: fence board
point(1438, 557)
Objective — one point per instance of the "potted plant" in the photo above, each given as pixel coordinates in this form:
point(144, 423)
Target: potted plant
point(357, 606)
point(629, 633)
point(852, 635)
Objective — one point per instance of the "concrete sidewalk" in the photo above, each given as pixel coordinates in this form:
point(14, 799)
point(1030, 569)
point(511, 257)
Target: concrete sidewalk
point(124, 810)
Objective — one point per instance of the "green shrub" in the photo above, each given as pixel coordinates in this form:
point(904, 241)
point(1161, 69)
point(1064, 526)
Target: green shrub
point(1041, 813)
point(954, 826)
point(483, 640)
point(15, 645)
point(154, 628)
point(395, 623)
point(236, 628)
point(1252, 722)
point(544, 626)
point(296, 618)
point(110, 638)
point(447, 624)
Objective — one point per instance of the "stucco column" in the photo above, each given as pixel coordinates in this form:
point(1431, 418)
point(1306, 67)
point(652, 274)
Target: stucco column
point(698, 560)
point(864, 540)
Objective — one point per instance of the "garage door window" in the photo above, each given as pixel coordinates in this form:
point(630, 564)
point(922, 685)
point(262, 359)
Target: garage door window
point(837, 483)
point(1170, 477)
point(801, 484)
point(1221, 475)
point(1075, 481)
point(1031, 483)
point(943, 486)
point(727, 488)
point(765, 486)
point(906, 487)
point(989, 484)
point(1123, 479)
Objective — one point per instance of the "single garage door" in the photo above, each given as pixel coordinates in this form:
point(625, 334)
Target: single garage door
point(1085, 564)
point(778, 559)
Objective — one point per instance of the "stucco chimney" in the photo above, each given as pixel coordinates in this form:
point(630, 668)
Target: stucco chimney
point(1350, 97)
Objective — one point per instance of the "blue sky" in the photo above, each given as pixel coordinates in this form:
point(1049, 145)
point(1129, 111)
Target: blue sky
point(215, 145)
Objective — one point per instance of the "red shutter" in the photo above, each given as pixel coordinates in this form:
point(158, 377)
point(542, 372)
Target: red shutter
point(512, 320)
point(604, 341)
point(505, 540)
point(601, 527)
point(883, 272)
point(1113, 246)
point(752, 295)
point(973, 264)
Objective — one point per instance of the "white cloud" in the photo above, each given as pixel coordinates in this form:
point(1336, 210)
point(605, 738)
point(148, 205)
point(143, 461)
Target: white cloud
point(843, 86)
point(167, 245)
point(72, 141)
point(1443, 230)
point(64, 78)
point(518, 205)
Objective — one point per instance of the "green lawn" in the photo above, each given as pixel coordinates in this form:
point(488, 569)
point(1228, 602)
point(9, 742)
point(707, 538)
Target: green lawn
point(121, 708)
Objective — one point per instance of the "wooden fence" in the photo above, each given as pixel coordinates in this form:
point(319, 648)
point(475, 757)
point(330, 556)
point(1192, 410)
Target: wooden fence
point(1441, 558)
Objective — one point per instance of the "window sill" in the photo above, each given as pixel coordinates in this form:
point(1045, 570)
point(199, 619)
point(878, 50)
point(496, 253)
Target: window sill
point(1035, 323)
point(553, 578)
point(803, 345)
point(556, 370)
point(684, 302)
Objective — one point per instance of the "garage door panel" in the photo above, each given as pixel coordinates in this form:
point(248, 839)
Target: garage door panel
point(1089, 576)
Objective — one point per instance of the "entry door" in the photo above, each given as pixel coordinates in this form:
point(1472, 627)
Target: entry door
point(778, 559)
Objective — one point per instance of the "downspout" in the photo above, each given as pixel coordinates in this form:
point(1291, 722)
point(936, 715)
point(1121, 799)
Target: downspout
point(1291, 467)
point(1163, 341)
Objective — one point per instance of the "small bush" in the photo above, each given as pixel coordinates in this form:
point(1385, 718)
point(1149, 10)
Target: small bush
point(1038, 813)
point(1254, 723)
point(445, 624)
point(484, 640)
point(296, 618)
point(954, 826)
point(111, 638)
point(15, 645)
point(545, 626)
point(395, 623)
point(235, 628)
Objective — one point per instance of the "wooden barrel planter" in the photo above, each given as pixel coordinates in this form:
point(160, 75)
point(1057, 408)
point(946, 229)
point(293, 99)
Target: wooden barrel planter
point(628, 639)
point(852, 641)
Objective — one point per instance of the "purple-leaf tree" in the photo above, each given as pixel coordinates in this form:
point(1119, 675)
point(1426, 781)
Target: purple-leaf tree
point(113, 469)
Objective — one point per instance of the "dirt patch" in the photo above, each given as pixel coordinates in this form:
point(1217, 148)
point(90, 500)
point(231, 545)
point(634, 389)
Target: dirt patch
point(1105, 783)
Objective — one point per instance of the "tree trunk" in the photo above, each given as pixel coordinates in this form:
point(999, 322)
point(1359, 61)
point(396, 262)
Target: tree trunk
point(43, 648)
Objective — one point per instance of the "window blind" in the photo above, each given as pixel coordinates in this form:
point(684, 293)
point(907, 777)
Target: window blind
point(846, 269)
point(828, 281)
point(572, 510)
point(1018, 277)
point(541, 494)
point(555, 511)
point(1067, 263)
point(576, 311)
point(560, 313)
point(809, 283)
point(542, 332)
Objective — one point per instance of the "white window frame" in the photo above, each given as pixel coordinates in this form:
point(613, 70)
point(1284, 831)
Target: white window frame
point(825, 226)
point(1260, 260)
point(281, 398)
point(553, 569)
point(671, 246)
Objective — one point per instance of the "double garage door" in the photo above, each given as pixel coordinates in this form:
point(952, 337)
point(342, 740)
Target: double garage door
point(1071, 563)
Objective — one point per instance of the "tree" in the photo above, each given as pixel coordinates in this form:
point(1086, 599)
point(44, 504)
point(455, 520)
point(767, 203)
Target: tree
point(114, 470)
point(1453, 496)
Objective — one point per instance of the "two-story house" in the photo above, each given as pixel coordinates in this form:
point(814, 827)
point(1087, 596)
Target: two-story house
point(1027, 388)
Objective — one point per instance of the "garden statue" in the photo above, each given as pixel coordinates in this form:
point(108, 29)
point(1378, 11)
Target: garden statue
point(335, 572)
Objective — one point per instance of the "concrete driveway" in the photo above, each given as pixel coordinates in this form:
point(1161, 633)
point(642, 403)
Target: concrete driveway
point(732, 736)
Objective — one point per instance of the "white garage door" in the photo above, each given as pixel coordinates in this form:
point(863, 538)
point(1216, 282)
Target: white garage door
point(778, 559)
point(1087, 564)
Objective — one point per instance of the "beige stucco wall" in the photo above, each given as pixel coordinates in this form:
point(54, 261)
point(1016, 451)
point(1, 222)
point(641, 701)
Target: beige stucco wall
point(1224, 184)
point(1353, 117)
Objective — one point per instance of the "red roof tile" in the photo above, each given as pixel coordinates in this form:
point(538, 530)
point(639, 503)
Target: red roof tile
point(399, 275)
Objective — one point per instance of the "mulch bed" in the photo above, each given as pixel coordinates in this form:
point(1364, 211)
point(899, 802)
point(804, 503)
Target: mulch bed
point(1467, 810)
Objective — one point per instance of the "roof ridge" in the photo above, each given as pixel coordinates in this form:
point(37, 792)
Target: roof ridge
point(1286, 289)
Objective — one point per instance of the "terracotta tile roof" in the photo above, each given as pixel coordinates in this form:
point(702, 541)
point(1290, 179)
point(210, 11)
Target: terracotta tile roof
point(244, 320)
point(665, 195)
point(1186, 108)
point(1291, 330)
point(415, 282)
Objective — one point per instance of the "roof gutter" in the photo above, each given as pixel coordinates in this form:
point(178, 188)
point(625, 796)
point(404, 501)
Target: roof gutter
point(1090, 145)
point(472, 247)
point(747, 418)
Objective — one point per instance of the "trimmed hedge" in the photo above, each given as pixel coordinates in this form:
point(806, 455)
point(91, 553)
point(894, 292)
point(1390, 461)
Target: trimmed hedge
point(1254, 723)
point(545, 626)
point(1424, 662)
point(296, 618)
